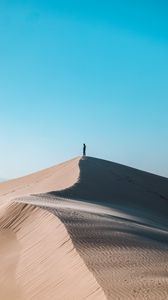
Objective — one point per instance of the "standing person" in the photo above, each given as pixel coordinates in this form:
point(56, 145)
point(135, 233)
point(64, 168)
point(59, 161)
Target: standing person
point(84, 149)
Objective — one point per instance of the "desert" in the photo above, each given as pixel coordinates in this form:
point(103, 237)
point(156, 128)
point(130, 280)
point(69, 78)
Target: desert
point(84, 229)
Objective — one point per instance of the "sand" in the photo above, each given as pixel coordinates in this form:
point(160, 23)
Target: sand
point(55, 178)
point(38, 259)
point(85, 229)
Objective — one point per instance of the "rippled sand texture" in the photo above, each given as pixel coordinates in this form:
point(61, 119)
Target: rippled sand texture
point(103, 235)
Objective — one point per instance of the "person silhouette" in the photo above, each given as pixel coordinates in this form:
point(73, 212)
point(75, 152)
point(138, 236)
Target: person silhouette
point(84, 149)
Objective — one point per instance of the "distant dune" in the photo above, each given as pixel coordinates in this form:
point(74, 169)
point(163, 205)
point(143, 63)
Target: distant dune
point(85, 229)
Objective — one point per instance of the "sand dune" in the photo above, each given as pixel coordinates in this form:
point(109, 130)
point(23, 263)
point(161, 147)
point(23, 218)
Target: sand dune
point(94, 230)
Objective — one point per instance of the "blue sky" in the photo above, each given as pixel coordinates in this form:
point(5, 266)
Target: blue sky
point(83, 71)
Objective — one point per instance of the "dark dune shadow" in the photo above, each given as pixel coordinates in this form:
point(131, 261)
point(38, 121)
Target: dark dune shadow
point(84, 226)
point(114, 185)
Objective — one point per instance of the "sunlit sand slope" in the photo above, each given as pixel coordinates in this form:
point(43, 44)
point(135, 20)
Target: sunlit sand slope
point(54, 178)
point(38, 260)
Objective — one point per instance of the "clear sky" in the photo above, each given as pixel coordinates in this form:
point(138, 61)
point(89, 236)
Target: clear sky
point(83, 71)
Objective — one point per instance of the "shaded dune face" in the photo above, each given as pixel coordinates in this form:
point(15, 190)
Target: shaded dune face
point(115, 185)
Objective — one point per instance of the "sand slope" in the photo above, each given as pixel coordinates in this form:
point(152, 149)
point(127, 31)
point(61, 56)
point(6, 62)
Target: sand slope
point(94, 230)
point(55, 178)
point(38, 260)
